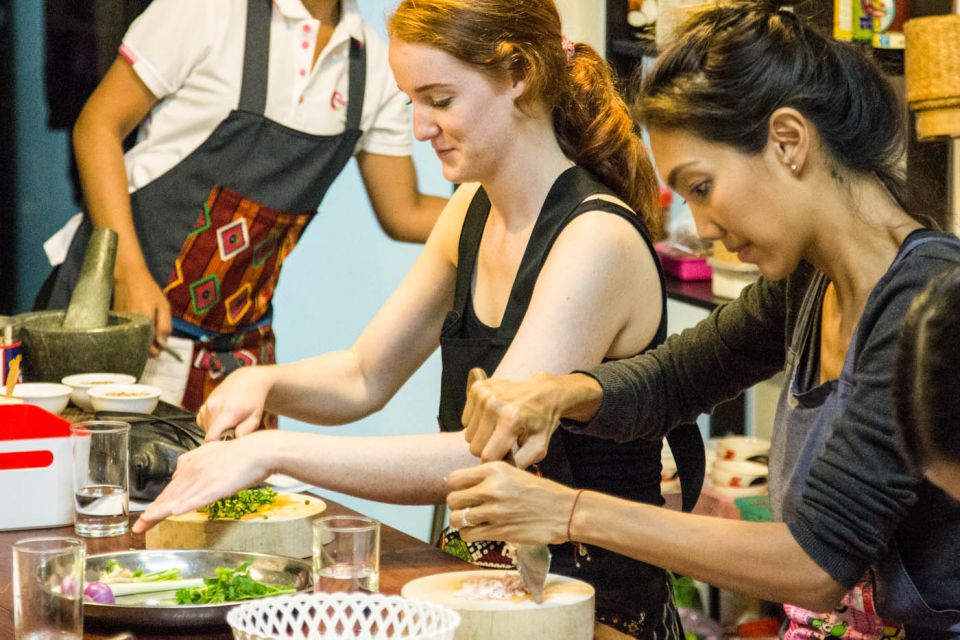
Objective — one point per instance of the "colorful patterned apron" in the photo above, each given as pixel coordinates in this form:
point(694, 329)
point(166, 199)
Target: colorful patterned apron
point(804, 423)
point(216, 228)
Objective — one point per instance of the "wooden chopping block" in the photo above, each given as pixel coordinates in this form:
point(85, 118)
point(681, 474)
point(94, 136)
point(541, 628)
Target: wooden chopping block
point(283, 528)
point(565, 614)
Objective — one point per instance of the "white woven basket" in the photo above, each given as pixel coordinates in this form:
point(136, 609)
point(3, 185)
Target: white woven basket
point(342, 616)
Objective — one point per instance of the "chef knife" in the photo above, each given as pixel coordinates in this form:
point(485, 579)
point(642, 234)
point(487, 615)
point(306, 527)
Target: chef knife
point(533, 560)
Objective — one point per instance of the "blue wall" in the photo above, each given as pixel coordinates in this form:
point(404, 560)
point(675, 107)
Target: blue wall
point(43, 196)
point(334, 282)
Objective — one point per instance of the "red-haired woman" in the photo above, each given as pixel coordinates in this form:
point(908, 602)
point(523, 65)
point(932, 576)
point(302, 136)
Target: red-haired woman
point(525, 271)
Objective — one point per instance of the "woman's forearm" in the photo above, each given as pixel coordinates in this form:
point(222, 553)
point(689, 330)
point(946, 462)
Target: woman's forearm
point(759, 559)
point(407, 469)
point(329, 389)
point(579, 396)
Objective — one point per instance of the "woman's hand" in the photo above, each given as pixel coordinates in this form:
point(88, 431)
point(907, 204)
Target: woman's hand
point(502, 502)
point(237, 403)
point(210, 472)
point(500, 414)
point(139, 293)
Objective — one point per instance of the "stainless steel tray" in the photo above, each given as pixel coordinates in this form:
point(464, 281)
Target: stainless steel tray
point(159, 610)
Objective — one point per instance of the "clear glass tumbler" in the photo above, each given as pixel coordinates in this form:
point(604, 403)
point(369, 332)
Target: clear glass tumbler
point(346, 554)
point(101, 477)
point(48, 588)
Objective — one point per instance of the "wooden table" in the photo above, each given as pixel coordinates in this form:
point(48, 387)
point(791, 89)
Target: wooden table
point(402, 558)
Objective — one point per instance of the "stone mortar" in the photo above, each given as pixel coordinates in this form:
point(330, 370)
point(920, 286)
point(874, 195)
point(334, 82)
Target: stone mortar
point(51, 352)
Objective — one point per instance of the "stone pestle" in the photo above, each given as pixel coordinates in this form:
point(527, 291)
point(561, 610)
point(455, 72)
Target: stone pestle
point(89, 306)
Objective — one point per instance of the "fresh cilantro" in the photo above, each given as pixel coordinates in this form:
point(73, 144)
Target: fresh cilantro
point(240, 504)
point(230, 585)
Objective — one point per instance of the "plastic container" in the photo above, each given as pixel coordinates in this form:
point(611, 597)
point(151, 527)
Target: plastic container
point(35, 468)
point(11, 348)
point(730, 275)
point(682, 266)
point(754, 508)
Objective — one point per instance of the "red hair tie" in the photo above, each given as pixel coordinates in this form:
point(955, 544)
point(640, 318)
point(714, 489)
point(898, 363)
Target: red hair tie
point(568, 47)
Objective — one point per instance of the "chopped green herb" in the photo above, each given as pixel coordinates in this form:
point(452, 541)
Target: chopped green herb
point(240, 504)
point(306, 502)
point(230, 585)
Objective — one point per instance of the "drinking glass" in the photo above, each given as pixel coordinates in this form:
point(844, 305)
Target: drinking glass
point(346, 554)
point(48, 588)
point(101, 477)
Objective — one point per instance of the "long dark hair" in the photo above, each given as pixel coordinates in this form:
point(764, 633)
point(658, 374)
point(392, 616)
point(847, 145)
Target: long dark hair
point(736, 63)
point(927, 373)
point(507, 38)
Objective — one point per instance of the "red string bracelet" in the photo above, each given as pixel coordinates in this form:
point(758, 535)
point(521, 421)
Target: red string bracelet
point(572, 509)
point(579, 550)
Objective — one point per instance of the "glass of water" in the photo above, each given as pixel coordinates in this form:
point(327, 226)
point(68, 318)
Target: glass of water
point(346, 554)
point(48, 588)
point(101, 477)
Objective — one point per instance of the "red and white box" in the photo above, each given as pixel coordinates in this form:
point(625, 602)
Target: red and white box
point(35, 468)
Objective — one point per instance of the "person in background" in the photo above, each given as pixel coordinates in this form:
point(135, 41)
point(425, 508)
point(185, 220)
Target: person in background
point(541, 235)
point(247, 111)
point(927, 374)
point(80, 43)
point(787, 146)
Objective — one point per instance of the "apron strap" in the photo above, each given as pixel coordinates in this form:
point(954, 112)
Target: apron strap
point(562, 204)
point(256, 57)
point(686, 443)
point(357, 84)
point(470, 235)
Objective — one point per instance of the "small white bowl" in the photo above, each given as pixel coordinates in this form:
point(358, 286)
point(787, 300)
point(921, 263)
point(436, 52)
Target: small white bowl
point(738, 473)
point(81, 383)
point(743, 448)
point(47, 395)
point(135, 398)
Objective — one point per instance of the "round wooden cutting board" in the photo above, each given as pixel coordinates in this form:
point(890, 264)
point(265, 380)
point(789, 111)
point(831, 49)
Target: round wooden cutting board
point(283, 528)
point(565, 614)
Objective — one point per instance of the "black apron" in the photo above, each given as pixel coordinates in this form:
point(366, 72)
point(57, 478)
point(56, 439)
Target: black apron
point(216, 227)
point(625, 587)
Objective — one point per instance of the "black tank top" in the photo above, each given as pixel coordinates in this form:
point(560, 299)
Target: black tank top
point(629, 470)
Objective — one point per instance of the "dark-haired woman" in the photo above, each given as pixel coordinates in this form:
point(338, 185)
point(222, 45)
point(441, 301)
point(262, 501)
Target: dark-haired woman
point(927, 378)
point(524, 272)
point(786, 145)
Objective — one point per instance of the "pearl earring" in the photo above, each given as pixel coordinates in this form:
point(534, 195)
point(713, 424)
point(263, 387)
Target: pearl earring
point(793, 167)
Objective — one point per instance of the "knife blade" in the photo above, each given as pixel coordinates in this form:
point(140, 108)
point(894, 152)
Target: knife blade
point(533, 560)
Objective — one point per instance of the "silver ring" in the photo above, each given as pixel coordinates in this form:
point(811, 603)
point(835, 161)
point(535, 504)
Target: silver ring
point(464, 521)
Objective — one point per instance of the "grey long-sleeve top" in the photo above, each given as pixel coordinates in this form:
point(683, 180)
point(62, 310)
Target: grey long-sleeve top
point(860, 495)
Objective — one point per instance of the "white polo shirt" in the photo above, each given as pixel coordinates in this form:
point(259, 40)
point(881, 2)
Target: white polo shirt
point(189, 53)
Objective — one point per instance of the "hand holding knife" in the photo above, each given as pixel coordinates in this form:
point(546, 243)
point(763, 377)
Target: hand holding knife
point(533, 561)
